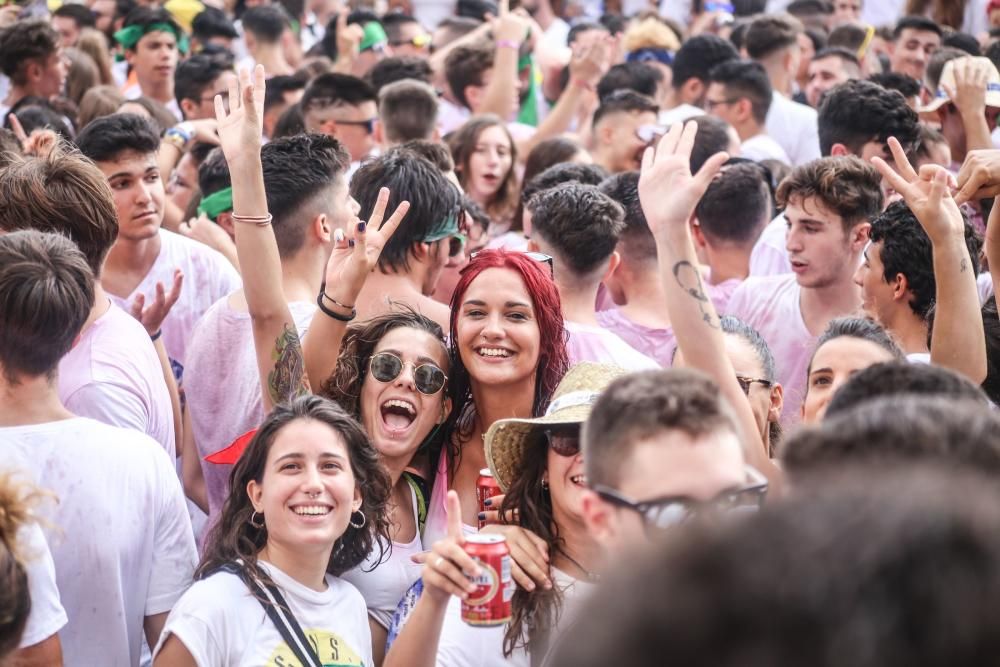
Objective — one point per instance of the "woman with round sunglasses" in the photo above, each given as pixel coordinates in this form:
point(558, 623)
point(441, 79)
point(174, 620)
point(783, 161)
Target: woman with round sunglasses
point(538, 463)
point(388, 373)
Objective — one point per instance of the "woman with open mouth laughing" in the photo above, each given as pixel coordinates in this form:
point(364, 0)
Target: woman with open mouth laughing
point(485, 156)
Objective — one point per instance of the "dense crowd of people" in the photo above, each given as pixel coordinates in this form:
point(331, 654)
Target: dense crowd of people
point(704, 290)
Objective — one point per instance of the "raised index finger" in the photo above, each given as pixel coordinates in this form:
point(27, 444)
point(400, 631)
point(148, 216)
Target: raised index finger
point(454, 508)
point(898, 183)
point(902, 163)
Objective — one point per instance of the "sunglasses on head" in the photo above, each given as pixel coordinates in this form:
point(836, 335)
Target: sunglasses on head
point(564, 441)
point(540, 257)
point(427, 378)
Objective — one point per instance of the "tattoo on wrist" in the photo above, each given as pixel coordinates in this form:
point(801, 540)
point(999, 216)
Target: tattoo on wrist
point(688, 277)
point(963, 266)
point(287, 380)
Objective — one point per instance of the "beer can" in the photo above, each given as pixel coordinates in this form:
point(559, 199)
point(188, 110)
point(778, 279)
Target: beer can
point(490, 603)
point(486, 487)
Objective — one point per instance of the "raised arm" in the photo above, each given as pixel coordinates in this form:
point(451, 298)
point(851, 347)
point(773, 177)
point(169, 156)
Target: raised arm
point(668, 194)
point(350, 264)
point(276, 340)
point(957, 340)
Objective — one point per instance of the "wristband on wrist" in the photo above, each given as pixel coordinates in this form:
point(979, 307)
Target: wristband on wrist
point(179, 135)
point(335, 315)
point(508, 44)
point(334, 301)
point(155, 337)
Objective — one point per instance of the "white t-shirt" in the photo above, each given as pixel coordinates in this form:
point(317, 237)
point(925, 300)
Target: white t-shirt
point(120, 534)
point(795, 128)
point(113, 375)
point(769, 256)
point(597, 344)
point(464, 645)
point(133, 91)
point(223, 625)
point(984, 284)
point(47, 615)
point(208, 277)
point(657, 344)
point(763, 147)
point(383, 585)
point(771, 306)
point(220, 412)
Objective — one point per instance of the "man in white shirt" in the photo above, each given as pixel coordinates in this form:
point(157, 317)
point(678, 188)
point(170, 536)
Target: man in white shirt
point(112, 373)
point(828, 204)
point(694, 60)
point(773, 42)
point(120, 535)
point(739, 92)
point(855, 118)
point(578, 226)
point(124, 147)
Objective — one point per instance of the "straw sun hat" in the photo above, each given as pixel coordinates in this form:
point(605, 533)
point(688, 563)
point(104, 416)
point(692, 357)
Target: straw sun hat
point(508, 439)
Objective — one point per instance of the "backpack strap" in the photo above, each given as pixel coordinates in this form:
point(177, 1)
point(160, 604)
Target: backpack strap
point(420, 490)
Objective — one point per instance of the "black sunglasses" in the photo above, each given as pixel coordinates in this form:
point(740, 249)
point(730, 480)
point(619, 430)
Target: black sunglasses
point(369, 124)
point(428, 378)
point(564, 441)
point(662, 513)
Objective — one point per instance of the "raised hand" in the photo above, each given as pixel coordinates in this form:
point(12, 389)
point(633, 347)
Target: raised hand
point(668, 191)
point(926, 193)
point(979, 177)
point(153, 315)
point(448, 568)
point(355, 254)
point(240, 129)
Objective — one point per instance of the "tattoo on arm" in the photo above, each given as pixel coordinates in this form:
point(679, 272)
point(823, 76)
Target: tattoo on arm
point(963, 266)
point(689, 278)
point(287, 380)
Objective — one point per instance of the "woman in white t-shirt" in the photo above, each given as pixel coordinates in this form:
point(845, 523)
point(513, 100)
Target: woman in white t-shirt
point(307, 503)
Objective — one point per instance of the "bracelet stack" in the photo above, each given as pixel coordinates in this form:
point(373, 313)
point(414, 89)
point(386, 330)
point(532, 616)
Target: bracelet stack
point(331, 313)
point(259, 220)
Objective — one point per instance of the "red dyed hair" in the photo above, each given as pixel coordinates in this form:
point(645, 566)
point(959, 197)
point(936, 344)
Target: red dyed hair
point(553, 360)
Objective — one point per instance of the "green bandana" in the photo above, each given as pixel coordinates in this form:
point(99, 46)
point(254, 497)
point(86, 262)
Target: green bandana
point(528, 113)
point(130, 36)
point(448, 229)
point(374, 35)
point(216, 203)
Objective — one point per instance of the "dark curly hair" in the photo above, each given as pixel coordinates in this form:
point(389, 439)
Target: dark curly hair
point(235, 539)
point(856, 112)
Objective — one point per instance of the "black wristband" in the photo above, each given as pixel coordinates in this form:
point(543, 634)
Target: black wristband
point(155, 337)
point(329, 313)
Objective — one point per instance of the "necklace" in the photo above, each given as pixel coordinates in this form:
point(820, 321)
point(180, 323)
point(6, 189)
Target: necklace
point(592, 577)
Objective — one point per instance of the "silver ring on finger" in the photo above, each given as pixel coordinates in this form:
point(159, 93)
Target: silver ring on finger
point(437, 564)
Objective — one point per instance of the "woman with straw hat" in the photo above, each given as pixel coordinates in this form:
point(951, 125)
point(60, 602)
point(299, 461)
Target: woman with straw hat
point(538, 464)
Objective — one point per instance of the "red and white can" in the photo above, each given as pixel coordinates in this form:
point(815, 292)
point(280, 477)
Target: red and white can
point(490, 603)
point(486, 487)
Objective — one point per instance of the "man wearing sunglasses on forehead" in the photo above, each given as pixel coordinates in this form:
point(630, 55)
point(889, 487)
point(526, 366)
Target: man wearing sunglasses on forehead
point(345, 108)
point(659, 448)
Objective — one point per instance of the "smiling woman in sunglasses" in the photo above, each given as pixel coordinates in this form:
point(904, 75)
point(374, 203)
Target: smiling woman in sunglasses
point(538, 463)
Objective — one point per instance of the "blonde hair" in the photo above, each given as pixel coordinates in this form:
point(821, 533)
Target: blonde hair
point(17, 500)
point(650, 33)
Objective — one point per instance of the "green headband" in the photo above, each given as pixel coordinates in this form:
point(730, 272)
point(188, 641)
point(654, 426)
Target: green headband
point(130, 36)
point(374, 35)
point(448, 229)
point(216, 203)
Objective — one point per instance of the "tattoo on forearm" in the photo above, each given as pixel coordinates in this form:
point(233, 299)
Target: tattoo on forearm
point(689, 278)
point(287, 379)
point(963, 266)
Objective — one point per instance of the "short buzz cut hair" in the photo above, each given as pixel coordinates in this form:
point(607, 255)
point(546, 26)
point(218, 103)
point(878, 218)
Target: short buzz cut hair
point(641, 405)
point(856, 112)
point(624, 101)
point(266, 22)
point(768, 34)
point(408, 110)
point(636, 242)
point(46, 293)
point(745, 79)
point(62, 193)
point(698, 55)
point(735, 206)
point(24, 42)
point(334, 89)
point(919, 23)
point(195, 74)
point(845, 185)
point(579, 223)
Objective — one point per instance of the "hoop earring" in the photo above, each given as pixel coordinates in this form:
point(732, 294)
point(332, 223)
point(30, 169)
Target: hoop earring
point(258, 526)
point(360, 524)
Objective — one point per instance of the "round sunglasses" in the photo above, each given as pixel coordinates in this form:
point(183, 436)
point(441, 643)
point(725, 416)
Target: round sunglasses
point(386, 367)
point(564, 441)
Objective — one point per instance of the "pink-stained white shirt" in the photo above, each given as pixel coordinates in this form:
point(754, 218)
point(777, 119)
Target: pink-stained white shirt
point(222, 386)
point(769, 256)
point(658, 344)
point(208, 277)
point(720, 293)
point(771, 306)
point(597, 344)
point(113, 375)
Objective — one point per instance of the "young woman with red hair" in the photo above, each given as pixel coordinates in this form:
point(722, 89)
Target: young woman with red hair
point(508, 354)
